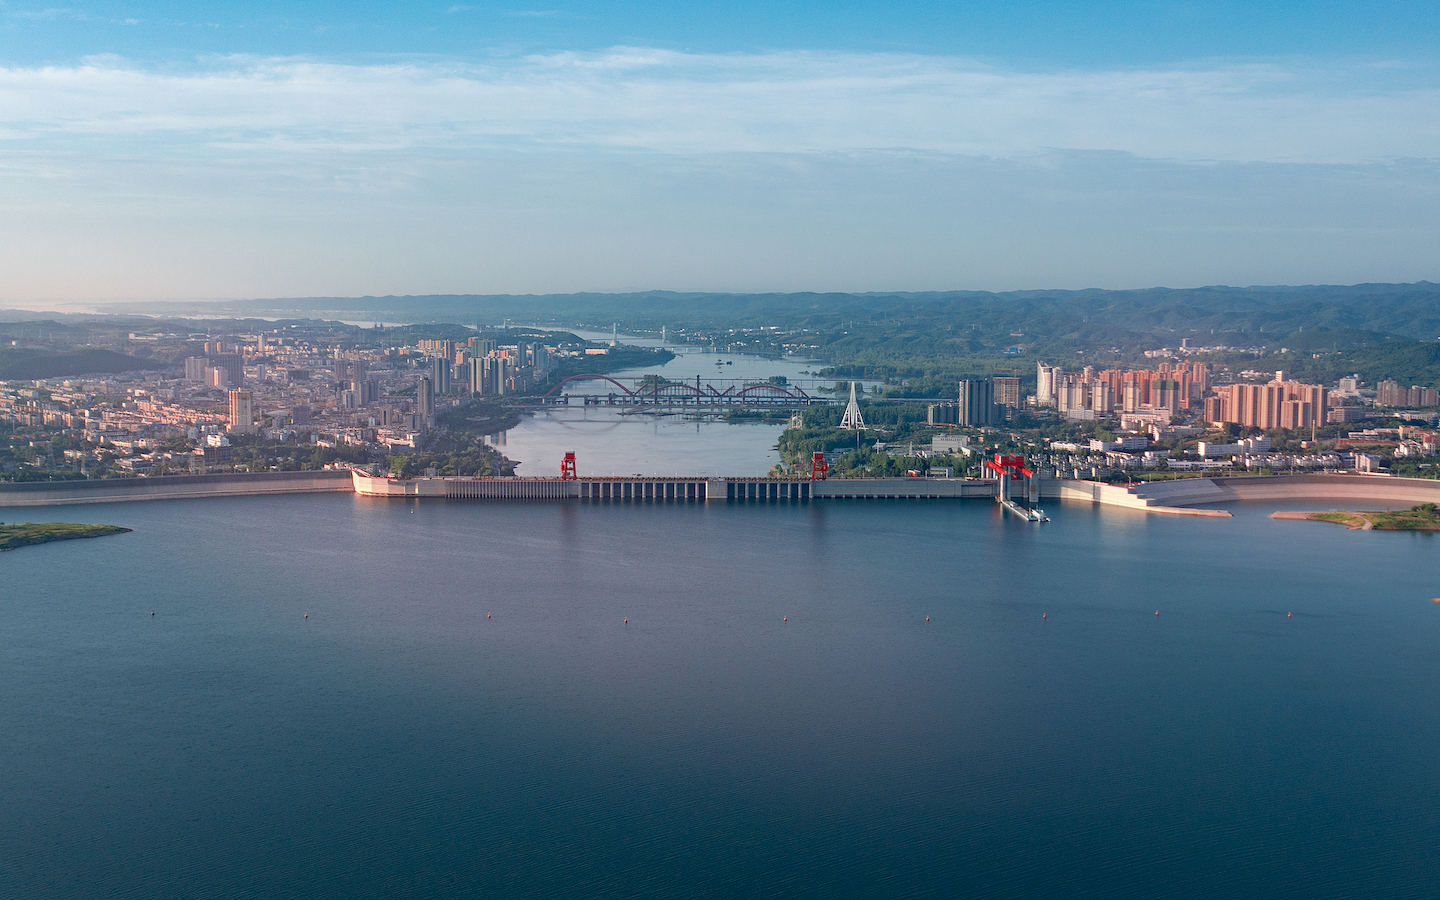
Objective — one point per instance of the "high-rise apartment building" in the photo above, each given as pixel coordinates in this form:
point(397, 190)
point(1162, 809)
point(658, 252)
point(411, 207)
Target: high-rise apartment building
point(1167, 394)
point(1390, 393)
point(242, 412)
point(440, 374)
point(234, 366)
point(443, 349)
point(1102, 397)
point(1071, 393)
point(1007, 391)
point(350, 369)
point(488, 375)
point(942, 414)
point(1046, 381)
point(231, 365)
point(425, 400)
point(1279, 404)
point(977, 403)
point(367, 390)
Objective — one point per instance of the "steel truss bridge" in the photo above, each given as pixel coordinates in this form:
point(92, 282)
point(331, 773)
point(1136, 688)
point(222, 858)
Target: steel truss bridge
point(693, 394)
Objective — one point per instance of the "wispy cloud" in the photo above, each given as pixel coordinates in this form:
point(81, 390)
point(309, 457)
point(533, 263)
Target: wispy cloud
point(646, 100)
point(516, 13)
point(68, 13)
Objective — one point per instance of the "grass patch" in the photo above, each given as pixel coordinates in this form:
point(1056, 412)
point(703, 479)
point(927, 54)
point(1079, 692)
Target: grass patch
point(12, 536)
point(1341, 517)
point(1425, 517)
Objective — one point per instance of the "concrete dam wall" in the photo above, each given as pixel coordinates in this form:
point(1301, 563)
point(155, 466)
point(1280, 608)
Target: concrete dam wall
point(172, 487)
point(1179, 497)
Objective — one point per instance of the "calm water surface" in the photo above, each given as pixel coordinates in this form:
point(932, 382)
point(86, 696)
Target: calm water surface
point(465, 711)
point(611, 441)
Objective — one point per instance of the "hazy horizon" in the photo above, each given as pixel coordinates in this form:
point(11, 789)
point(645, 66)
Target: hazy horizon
point(146, 306)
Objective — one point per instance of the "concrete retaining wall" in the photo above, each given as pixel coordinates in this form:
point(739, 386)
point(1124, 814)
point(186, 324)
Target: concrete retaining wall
point(1066, 490)
point(172, 487)
point(1175, 497)
point(1349, 489)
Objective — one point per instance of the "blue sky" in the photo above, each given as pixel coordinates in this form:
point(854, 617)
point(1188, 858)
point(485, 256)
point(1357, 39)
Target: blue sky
point(1030, 34)
point(189, 150)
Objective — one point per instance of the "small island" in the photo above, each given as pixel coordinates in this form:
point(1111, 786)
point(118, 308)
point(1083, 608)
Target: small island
point(1425, 517)
point(13, 536)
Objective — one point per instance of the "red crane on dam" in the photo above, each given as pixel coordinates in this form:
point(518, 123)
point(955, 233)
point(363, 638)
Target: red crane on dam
point(1006, 467)
point(818, 467)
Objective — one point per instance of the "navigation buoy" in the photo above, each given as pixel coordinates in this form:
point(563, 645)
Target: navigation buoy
point(152, 612)
point(1157, 612)
point(1289, 615)
point(785, 619)
point(307, 615)
point(627, 621)
point(487, 615)
point(1043, 616)
point(927, 618)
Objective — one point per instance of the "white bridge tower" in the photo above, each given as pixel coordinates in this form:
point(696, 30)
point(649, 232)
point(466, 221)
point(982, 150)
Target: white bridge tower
point(852, 418)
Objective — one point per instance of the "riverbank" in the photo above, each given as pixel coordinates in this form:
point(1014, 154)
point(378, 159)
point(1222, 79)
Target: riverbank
point(31, 533)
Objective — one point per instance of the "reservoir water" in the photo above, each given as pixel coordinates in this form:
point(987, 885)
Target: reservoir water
point(620, 441)
point(341, 697)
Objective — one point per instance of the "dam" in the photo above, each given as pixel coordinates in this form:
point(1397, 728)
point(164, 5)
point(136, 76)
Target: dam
point(669, 488)
point(1188, 496)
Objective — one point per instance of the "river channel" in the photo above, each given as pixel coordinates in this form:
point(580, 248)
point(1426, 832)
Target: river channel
point(618, 441)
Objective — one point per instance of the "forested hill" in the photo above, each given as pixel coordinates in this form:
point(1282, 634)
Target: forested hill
point(25, 364)
point(1063, 319)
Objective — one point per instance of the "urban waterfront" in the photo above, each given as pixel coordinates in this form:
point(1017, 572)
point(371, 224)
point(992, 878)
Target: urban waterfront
point(338, 696)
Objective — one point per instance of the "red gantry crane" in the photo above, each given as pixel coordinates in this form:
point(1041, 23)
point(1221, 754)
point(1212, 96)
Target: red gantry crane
point(818, 467)
point(1006, 467)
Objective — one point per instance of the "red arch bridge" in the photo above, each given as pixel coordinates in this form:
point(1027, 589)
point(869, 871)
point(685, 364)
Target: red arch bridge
point(653, 392)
